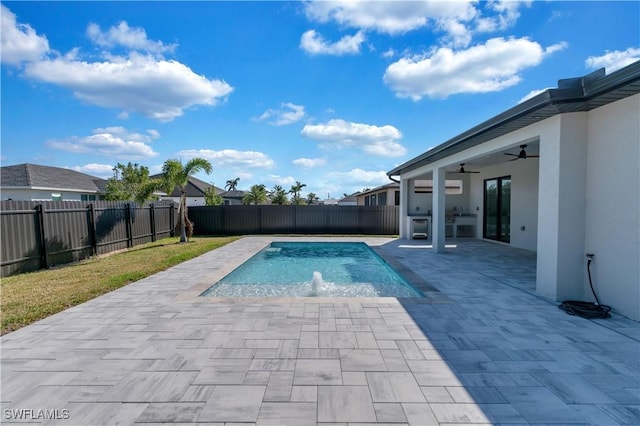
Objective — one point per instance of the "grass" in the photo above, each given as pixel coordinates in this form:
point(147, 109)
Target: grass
point(30, 297)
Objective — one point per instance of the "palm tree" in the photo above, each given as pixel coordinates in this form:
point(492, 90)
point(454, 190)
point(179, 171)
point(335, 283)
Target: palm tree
point(176, 175)
point(232, 184)
point(257, 194)
point(312, 198)
point(278, 195)
point(295, 190)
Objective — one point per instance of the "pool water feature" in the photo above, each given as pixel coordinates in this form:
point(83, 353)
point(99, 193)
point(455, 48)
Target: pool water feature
point(311, 269)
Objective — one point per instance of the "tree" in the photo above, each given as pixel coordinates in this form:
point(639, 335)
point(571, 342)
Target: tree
point(211, 198)
point(257, 194)
point(312, 198)
point(131, 182)
point(176, 175)
point(232, 184)
point(278, 195)
point(295, 190)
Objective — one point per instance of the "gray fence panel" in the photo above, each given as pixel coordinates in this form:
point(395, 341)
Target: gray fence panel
point(162, 216)
point(271, 219)
point(207, 220)
point(241, 219)
point(67, 235)
point(344, 219)
point(21, 254)
point(42, 234)
point(111, 229)
point(141, 224)
point(312, 219)
point(277, 219)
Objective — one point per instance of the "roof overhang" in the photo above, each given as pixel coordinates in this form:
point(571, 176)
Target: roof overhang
point(572, 95)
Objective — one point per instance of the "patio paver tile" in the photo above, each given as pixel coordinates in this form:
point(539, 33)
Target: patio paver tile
point(233, 404)
point(345, 404)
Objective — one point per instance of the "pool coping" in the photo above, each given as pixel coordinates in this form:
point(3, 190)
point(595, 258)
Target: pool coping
point(257, 243)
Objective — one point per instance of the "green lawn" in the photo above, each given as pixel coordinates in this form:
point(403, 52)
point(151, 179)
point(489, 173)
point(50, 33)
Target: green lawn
point(27, 298)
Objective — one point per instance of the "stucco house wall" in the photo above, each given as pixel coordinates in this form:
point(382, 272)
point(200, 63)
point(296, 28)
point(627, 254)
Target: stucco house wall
point(612, 207)
point(43, 195)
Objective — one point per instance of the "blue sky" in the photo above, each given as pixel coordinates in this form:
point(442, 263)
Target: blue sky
point(331, 94)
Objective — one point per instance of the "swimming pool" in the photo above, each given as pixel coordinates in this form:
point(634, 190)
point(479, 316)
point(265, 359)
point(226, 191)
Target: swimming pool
point(312, 269)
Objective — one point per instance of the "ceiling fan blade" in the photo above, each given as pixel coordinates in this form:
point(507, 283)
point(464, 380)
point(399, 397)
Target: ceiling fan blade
point(513, 155)
point(473, 172)
point(533, 156)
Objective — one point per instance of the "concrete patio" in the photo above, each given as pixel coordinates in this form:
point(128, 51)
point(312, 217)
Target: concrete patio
point(482, 348)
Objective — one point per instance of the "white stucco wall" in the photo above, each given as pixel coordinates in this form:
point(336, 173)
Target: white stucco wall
point(38, 195)
point(612, 212)
point(191, 201)
point(421, 203)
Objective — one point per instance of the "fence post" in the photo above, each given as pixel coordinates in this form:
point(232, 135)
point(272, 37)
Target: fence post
point(42, 237)
point(172, 220)
point(127, 217)
point(152, 219)
point(92, 229)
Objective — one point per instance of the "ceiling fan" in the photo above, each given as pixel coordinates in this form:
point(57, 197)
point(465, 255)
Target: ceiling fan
point(462, 170)
point(522, 154)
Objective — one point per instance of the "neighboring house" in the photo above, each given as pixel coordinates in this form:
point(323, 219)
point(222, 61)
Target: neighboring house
point(195, 191)
point(329, 202)
point(389, 195)
point(33, 182)
point(349, 200)
point(232, 197)
point(567, 186)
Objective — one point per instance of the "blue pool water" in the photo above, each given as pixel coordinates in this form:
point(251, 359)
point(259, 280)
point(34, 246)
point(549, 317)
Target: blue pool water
point(285, 269)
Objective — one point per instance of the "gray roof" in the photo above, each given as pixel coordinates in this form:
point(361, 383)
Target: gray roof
point(233, 194)
point(572, 95)
point(37, 176)
point(195, 187)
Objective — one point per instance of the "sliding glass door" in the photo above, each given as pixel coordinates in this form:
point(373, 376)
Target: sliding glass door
point(497, 209)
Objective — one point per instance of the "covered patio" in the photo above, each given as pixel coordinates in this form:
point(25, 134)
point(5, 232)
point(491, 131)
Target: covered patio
point(481, 348)
point(555, 174)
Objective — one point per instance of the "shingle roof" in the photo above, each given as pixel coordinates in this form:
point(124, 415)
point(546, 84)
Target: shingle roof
point(37, 176)
point(232, 194)
point(195, 187)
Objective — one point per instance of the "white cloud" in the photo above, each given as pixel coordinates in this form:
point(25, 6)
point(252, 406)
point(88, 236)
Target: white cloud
point(125, 36)
point(488, 67)
point(19, 42)
point(309, 162)
point(614, 60)
point(357, 177)
point(387, 17)
point(458, 20)
point(160, 89)
point(389, 53)
point(231, 158)
point(507, 12)
point(287, 114)
point(93, 169)
point(114, 142)
point(531, 94)
point(314, 44)
point(282, 180)
point(375, 140)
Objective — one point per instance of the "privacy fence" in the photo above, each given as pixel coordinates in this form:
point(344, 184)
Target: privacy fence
point(272, 219)
point(38, 235)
